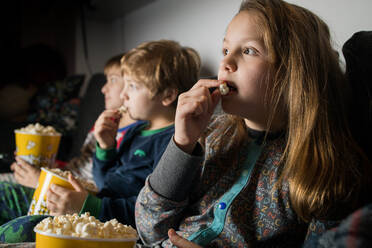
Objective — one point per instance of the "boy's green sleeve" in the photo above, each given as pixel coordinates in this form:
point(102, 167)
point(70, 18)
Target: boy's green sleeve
point(105, 154)
point(92, 205)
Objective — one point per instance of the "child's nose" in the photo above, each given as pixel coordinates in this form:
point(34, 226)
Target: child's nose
point(103, 89)
point(123, 95)
point(228, 64)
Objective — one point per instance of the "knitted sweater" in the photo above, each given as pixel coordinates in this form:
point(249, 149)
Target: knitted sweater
point(187, 193)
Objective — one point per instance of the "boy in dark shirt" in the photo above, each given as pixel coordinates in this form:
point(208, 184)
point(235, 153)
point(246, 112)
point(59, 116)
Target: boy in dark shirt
point(155, 73)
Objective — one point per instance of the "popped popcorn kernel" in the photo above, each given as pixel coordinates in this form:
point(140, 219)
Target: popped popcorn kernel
point(85, 183)
point(85, 226)
point(224, 89)
point(38, 129)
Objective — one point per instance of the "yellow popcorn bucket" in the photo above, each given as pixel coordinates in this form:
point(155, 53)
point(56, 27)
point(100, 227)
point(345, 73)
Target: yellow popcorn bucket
point(46, 178)
point(37, 149)
point(47, 240)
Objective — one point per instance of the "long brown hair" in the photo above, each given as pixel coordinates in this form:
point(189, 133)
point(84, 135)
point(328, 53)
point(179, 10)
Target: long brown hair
point(322, 162)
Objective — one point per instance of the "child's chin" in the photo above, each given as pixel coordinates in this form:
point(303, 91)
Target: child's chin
point(226, 107)
point(229, 107)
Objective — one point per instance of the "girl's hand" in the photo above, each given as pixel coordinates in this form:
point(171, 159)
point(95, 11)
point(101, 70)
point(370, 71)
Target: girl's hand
point(25, 173)
point(194, 110)
point(65, 201)
point(106, 127)
point(179, 241)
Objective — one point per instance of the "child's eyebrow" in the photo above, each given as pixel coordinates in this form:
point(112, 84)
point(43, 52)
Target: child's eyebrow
point(246, 39)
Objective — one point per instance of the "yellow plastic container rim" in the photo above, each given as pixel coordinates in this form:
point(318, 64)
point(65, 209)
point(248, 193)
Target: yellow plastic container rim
point(85, 239)
point(38, 134)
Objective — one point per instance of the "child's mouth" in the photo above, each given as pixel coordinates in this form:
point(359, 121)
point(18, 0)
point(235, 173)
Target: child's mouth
point(226, 88)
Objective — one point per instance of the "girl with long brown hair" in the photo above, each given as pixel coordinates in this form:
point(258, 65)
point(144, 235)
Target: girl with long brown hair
point(282, 167)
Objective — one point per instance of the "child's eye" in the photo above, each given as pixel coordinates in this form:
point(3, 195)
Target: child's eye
point(249, 51)
point(225, 52)
point(114, 79)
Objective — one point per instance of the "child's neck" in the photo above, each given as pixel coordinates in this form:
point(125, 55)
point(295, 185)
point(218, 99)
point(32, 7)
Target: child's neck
point(161, 120)
point(261, 127)
point(159, 123)
point(254, 125)
point(125, 120)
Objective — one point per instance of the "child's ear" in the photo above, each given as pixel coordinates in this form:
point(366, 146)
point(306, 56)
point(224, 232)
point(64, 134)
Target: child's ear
point(169, 96)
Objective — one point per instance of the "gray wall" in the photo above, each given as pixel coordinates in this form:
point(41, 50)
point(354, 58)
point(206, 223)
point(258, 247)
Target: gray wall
point(201, 24)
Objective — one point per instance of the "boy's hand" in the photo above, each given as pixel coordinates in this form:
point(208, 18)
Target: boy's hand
point(65, 201)
point(25, 173)
point(194, 110)
point(179, 241)
point(106, 127)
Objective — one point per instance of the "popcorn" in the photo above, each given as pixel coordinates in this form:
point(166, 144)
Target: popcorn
point(224, 89)
point(86, 184)
point(38, 129)
point(85, 226)
point(122, 110)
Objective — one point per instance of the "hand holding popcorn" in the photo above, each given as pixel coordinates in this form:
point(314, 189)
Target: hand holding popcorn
point(106, 127)
point(65, 201)
point(25, 173)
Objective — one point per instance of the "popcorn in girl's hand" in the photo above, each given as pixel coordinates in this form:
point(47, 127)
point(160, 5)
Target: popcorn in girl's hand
point(224, 89)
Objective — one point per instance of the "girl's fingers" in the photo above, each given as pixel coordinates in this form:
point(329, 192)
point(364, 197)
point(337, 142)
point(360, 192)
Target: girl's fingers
point(215, 98)
point(179, 241)
point(199, 102)
point(208, 83)
point(191, 108)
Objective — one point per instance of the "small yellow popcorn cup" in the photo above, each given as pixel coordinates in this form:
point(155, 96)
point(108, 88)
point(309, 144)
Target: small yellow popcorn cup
point(37, 149)
point(38, 204)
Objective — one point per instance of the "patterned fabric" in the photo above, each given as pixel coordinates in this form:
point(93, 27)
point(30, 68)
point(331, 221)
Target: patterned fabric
point(82, 165)
point(261, 215)
point(15, 200)
point(57, 104)
point(18, 245)
point(7, 177)
point(18, 230)
point(354, 231)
